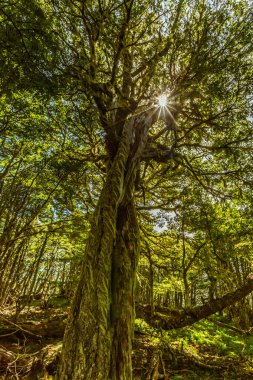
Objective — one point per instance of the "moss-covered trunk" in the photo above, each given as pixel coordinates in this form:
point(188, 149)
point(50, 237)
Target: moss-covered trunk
point(97, 340)
point(125, 257)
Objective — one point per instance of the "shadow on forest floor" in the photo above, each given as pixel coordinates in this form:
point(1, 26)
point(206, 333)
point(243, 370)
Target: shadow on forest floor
point(30, 349)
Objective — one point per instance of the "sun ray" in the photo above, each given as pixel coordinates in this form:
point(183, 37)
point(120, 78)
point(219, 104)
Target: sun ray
point(171, 115)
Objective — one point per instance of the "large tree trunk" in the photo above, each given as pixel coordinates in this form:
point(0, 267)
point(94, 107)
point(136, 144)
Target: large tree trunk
point(97, 341)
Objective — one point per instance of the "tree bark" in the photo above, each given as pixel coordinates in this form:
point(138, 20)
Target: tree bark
point(88, 336)
point(97, 341)
point(124, 264)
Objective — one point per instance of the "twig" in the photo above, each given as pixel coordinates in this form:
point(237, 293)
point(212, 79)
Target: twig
point(12, 333)
point(19, 327)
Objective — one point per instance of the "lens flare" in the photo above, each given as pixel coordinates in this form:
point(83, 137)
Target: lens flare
point(162, 100)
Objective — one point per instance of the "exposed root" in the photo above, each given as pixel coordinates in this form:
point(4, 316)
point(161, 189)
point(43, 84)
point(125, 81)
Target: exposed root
point(18, 366)
point(164, 359)
point(15, 366)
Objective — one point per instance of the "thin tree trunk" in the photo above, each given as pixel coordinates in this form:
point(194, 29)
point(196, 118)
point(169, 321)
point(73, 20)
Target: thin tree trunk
point(187, 297)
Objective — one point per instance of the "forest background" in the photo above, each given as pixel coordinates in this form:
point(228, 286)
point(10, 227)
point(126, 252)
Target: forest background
point(110, 199)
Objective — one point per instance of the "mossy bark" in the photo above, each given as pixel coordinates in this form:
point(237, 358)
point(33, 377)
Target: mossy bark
point(124, 263)
point(97, 340)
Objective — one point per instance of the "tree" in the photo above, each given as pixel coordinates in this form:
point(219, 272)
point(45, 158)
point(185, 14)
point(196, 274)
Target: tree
point(115, 59)
point(97, 341)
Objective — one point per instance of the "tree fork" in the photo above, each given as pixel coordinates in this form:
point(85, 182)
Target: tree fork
point(97, 340)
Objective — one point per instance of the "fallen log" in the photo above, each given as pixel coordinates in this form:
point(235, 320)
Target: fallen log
point(167, 319)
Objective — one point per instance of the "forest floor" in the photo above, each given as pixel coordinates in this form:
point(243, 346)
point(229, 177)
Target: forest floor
point(30, 348)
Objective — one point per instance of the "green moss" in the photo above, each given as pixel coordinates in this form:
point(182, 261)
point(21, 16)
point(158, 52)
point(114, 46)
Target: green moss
point(221, 341)
point(203, 351)
point(141, 326)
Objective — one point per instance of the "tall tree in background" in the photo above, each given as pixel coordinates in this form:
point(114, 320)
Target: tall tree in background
point(115, 59)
